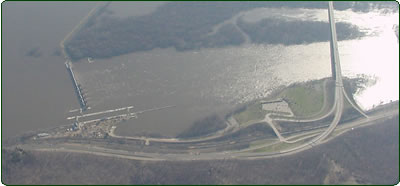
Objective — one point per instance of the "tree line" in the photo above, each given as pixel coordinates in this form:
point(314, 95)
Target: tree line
point(186, 26)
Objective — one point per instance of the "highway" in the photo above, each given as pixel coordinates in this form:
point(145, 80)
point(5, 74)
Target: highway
point(339, 82)
point(338, 105)
point(317, 136)
point(339, 91)
point(185, 156)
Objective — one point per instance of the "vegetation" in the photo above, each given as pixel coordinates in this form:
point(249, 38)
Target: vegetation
point(277, 31)
point(304, 98)
point(186, 26)
point(368, 155)
point(262, 142)
point(288, 126)
point(232, 147)
point(203, 127)
point(20, 156)
point(352, 86)
point(182, 25)
point(349, 113)
point(226, 35)
point(258, 129)
point(251, 112)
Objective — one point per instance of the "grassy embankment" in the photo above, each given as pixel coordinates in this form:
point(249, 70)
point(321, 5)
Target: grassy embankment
point(370, 154)
point(303, 98)
point(252, 112)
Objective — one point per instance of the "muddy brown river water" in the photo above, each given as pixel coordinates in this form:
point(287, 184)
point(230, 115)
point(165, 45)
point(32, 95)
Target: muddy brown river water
point(38, 93)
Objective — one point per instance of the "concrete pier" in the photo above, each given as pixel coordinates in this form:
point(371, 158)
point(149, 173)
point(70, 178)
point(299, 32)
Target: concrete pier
point(102, 112)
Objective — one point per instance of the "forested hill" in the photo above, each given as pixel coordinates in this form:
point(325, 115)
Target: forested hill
point(273, 31)
point(186, 25)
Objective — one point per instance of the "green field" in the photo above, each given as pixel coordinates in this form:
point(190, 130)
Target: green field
point(253, 112)
point(304, 99)
point(262, 142)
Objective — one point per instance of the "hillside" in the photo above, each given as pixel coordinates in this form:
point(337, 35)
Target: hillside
point(188, 26)
point(368, 155)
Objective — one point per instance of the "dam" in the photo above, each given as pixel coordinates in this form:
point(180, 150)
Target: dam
point(77, 87)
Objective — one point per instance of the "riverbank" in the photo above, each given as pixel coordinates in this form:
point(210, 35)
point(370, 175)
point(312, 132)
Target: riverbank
point(362, 156)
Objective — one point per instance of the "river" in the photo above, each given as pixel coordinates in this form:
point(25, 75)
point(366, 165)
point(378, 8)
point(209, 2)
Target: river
point(38, 93)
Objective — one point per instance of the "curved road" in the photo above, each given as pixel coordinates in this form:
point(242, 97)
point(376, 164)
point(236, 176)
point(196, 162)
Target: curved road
point(337, 108)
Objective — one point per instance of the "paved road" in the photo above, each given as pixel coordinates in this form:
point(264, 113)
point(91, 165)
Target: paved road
point(339, 90)
point(338, 87)
point(89, 149)
point(232, 126)
point(352, 125)
point(337, 107)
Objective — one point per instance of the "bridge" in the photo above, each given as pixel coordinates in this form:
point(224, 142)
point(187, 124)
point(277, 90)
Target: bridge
point(338, 106)
point(337, 109)
point(340, 92)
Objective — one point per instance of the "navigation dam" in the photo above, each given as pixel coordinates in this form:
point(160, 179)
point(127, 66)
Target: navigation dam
point(77, 87)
